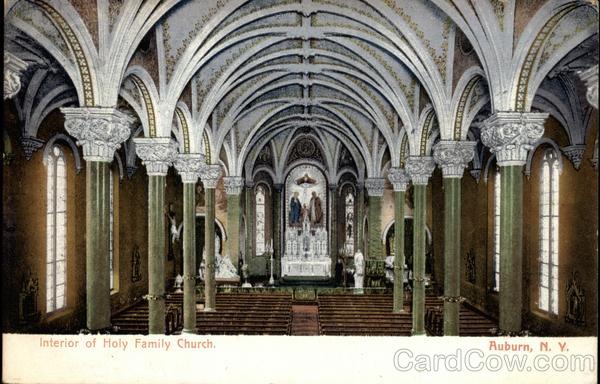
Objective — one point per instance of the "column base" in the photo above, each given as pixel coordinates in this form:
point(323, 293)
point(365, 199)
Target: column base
point(189, 331)
point(400, 311)
point(210, 310)
point(419, 334)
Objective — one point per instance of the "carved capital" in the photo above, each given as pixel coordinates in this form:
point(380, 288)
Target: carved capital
point(510, 135)
point(189, 166)
point(99, 131)
point(420, 168)
point(210, 175)
point(13, 68)
point(157, 154)
point(375, 186)
point(590, 78)
point(575, 154)
point(399, 179)
point(233, 185)
point(453, 157)
point(31, 144)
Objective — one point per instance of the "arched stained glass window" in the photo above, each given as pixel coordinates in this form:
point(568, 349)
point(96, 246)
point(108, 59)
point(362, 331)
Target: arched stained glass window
point(56, 230)
point(496, 257)
point(260, 220)
point(548, 261)
point(349, 220)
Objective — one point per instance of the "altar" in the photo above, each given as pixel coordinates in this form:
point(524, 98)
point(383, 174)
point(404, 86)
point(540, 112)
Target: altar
point(306, 253)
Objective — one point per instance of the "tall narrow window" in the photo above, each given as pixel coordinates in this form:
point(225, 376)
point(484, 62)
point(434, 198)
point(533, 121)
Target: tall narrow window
point(56, 224)
point(349, 223)
point(260, 220)
point(111, 241)
point(496, 258)
point(548, 283)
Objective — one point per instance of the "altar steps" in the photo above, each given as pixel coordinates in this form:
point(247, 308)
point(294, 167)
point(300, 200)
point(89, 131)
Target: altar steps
point(248, 314)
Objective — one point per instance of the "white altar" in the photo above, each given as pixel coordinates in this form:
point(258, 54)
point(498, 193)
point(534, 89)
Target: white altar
point(306, 252)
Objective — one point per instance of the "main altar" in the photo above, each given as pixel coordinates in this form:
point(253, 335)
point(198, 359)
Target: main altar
point(306, 253)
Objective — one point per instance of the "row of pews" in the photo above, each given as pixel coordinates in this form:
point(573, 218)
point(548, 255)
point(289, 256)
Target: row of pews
point(471, 321)
point(134, 319)
point(273, 313)
point(361, 315)
point(248, 314)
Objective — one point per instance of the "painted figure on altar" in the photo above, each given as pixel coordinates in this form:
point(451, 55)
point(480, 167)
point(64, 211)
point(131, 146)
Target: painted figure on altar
point(295, 209)
point(315, 210)
point(359, 269)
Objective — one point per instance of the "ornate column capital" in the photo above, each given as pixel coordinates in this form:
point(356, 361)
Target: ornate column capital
point(590, 78)
point(210, 175)
point(13, 68)
point(510, 135)
point(420, 168)
point(31, 144)
point(249, 184)
point(157, 154)
point(453, 157)
point(399, 179)
point(375, 186)
point(575, 154)
point(278, 187)
point(189, 166)
point(233, 185)
point(98, 130)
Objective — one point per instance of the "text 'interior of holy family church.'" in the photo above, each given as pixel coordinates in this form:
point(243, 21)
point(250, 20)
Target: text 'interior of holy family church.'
point(300, 167)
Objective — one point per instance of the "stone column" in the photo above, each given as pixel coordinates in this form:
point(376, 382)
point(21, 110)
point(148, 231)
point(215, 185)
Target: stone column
point(333, 223)
point(100, 132)
point(374, 188)
point(277, 224)
point(210, 177)
point(510, 135)
point(233, 189)
point(13, 68)
point(189, 167)
point(399, 180)
point(420, 170)
point(453, 157)
point(360, 216)
point(590, 78)
point(157, 154)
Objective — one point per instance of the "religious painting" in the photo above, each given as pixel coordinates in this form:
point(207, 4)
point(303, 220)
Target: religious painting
point(220, 195)
point(305, 190)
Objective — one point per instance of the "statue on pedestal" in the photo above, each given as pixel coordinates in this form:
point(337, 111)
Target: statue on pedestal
point(178, 283)
point(359, 269)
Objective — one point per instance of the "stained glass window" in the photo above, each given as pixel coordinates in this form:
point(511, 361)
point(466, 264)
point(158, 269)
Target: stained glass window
point(260, 220)
point(548, 261)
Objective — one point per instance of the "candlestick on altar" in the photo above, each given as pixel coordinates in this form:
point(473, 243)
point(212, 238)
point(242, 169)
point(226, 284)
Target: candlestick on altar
point(270, 250)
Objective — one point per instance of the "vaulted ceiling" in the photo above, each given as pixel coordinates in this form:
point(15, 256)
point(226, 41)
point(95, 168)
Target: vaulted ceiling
point(376, 80)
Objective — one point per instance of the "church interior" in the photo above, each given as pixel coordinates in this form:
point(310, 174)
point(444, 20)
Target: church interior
point(300, 167)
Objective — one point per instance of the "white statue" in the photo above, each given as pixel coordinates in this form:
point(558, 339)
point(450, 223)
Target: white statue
point(201, 269)
point(224, 268)
point(178, 283)
point(359, 269)
point(389, 268)
point(175, 230)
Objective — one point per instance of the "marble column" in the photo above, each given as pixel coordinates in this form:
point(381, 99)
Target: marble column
point(189, 166)
point(510, 135)
point(100, 132)
point(277, 225)
point(360, 217)
point(399, 180)
point(333, 223)
point(210, 177)
point(157, 154)
point(374, 188)
point(590, 78)
point(233, 189)
point(452, 157)
point(13, 68)
point(419, 168)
